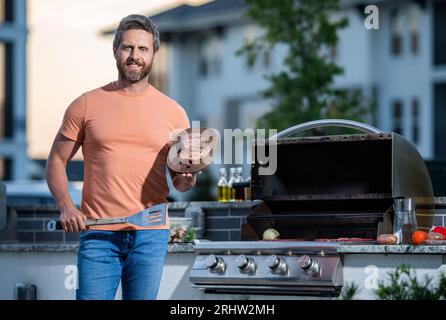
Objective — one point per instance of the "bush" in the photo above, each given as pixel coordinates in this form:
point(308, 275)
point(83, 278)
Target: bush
point(403, 285)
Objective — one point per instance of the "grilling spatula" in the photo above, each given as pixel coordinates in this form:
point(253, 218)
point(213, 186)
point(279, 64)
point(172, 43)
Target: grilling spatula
point(150, 217)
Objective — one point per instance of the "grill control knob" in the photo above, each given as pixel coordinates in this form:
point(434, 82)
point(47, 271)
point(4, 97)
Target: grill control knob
point(245, 264)
point(277, 264)
point(308, 264)
point(215, 264)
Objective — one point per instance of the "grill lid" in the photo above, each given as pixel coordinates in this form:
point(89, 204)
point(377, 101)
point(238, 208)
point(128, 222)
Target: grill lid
point(342, 167)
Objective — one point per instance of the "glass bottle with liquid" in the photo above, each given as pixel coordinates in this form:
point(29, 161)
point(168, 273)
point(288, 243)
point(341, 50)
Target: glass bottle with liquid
point(248, 188)
point(405, 222)
point(239, 185)
point(230, 184)
point(223, 187)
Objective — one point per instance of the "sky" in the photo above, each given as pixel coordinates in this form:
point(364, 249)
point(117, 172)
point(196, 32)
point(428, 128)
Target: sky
point(67, 56)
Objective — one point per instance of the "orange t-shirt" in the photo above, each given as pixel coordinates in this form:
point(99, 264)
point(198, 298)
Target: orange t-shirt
point(125, 141)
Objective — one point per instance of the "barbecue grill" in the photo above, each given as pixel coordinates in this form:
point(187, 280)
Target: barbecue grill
point(326, 191)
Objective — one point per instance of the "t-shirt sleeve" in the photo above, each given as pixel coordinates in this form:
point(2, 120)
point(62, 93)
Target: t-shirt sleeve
point(73, 121)
point(182, 121)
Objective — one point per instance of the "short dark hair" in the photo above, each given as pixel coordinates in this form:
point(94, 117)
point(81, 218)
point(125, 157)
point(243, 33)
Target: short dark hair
point(138, 22)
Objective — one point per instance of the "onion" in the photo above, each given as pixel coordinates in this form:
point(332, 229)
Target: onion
point(270, 234)
point(435, 236)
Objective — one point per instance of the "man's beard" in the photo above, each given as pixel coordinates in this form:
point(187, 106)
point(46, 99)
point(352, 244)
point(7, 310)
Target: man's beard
point(132, 76)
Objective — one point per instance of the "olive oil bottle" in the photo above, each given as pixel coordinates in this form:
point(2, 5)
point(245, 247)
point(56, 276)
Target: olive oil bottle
point(248, 188)
point(223, 191)
point(239, 185)
point(230, 184)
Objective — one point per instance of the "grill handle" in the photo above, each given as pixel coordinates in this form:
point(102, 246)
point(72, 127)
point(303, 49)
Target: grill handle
point(326, 123)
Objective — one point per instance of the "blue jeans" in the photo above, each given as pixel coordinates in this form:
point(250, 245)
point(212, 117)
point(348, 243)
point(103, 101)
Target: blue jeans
point(136, 258)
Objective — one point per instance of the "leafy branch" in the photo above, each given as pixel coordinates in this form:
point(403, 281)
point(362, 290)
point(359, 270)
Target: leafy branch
point(302, 90)
point(403, 285)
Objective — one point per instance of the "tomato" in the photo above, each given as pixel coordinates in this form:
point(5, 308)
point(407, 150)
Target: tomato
point(441, 230)
point(418, 237)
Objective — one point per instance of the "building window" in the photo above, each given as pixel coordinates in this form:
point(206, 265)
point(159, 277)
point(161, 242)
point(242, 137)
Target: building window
point(5, 169)
point(12, 85)
point(397, 44)
point(405, 25)
point(333, 52)
point(3, 111)
point(396, 27)
point(397, 109)
point(267, 58)
point(263, 57)
point(414, 42)
point(210, 51)
point(439, 12)
point(415, 121)
point(6, 13)
point(250, 32)
point(6, 110)
point(440, 120)
point(414, 16)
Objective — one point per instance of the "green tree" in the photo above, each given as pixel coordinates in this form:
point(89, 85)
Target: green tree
point(302, 91)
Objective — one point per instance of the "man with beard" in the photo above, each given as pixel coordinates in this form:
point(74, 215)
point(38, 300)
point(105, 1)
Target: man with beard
point(124, 129)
